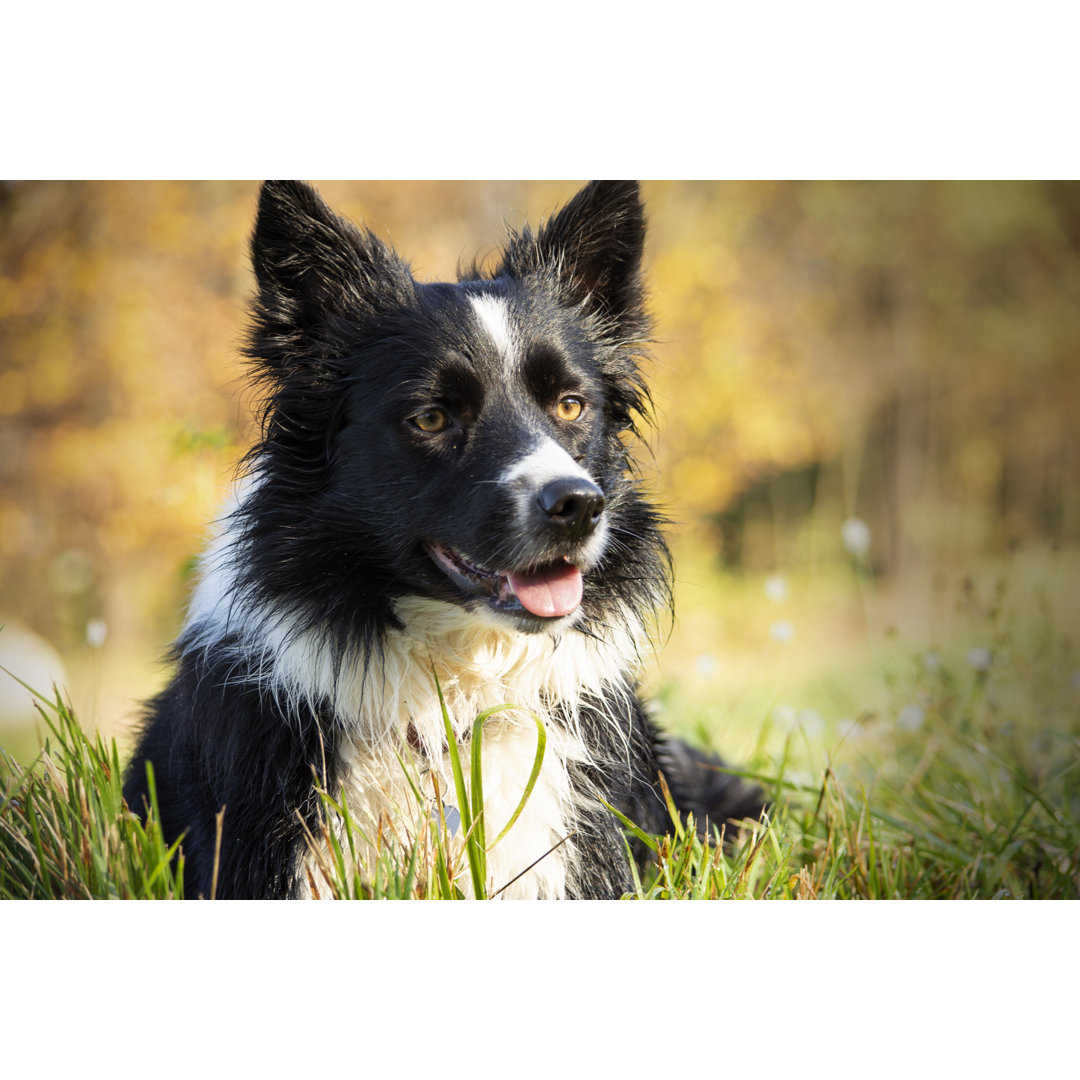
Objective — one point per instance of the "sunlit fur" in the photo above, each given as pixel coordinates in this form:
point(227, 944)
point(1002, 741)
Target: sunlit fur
point(321, 630)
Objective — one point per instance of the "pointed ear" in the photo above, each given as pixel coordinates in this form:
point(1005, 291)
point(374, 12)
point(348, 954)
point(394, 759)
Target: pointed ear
point(593, 247)
point(310, 263)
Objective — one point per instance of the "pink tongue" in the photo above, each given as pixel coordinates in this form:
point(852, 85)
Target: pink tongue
point(549, 593)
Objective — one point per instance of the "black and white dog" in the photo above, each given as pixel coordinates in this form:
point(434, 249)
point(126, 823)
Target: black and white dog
point(441, 489)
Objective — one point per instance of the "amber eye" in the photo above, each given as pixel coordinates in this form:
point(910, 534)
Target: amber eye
point(432, 421)
point(569, 408)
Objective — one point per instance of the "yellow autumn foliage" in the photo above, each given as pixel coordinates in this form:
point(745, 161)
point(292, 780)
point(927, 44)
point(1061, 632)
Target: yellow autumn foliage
point(895, 345)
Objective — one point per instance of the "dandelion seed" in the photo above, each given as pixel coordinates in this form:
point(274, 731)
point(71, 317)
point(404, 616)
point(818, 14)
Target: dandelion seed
point(776, 588)
point(911, 718)
point(782, 631)
point(811, 721)
point(855, 535)
point(980, 659)
point(931, 661)
point(784, 717)
point(706, 666)
point(848, 728)
point(96, 633)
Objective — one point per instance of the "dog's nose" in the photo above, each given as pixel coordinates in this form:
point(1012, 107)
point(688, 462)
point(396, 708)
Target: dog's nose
point(573, 506)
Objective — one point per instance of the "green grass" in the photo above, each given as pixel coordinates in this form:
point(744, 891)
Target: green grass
point(961, 781)
point(904, 763)
point(65, 832)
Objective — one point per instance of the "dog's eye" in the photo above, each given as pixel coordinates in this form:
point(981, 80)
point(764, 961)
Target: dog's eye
point(432, 421)
point(569, 408)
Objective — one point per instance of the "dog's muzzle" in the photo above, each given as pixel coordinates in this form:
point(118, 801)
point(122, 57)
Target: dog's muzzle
point(554, 536)
point(572, 507)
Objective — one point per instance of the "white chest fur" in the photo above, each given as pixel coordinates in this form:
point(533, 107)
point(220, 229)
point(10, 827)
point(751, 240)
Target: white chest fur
point(387, 710)
point(394, 713)
point(390, 720)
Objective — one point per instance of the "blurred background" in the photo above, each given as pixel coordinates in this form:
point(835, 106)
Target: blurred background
point(866, 397)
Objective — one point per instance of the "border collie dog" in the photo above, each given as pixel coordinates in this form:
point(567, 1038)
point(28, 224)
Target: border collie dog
point(441, 501)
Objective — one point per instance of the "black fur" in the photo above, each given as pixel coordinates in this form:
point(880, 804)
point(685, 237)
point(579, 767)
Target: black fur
point(348, 349)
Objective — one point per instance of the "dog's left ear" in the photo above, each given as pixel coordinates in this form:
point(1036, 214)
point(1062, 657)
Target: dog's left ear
point(593, 246)
point(318, 276)
point(309, 262)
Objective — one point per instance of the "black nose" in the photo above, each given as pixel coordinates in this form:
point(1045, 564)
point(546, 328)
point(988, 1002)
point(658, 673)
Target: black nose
point(572, 506)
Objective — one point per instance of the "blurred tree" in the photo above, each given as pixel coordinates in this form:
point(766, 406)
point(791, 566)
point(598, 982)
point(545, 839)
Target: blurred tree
point(919, 336)
point(118, 318)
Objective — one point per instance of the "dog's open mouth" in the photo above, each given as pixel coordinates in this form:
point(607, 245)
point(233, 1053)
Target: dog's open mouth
point(549, 591)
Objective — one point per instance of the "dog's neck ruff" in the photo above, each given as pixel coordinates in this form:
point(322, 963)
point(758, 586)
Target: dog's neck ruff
point(386, 708)
point(476, 656)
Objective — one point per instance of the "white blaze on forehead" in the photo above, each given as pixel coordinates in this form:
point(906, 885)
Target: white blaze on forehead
point(494, 317)
point(548, 461)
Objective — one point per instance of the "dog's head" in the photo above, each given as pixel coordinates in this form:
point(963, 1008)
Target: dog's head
point(461, 441)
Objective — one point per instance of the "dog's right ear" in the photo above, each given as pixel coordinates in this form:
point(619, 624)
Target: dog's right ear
point(593, 247)
point(313, 268)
